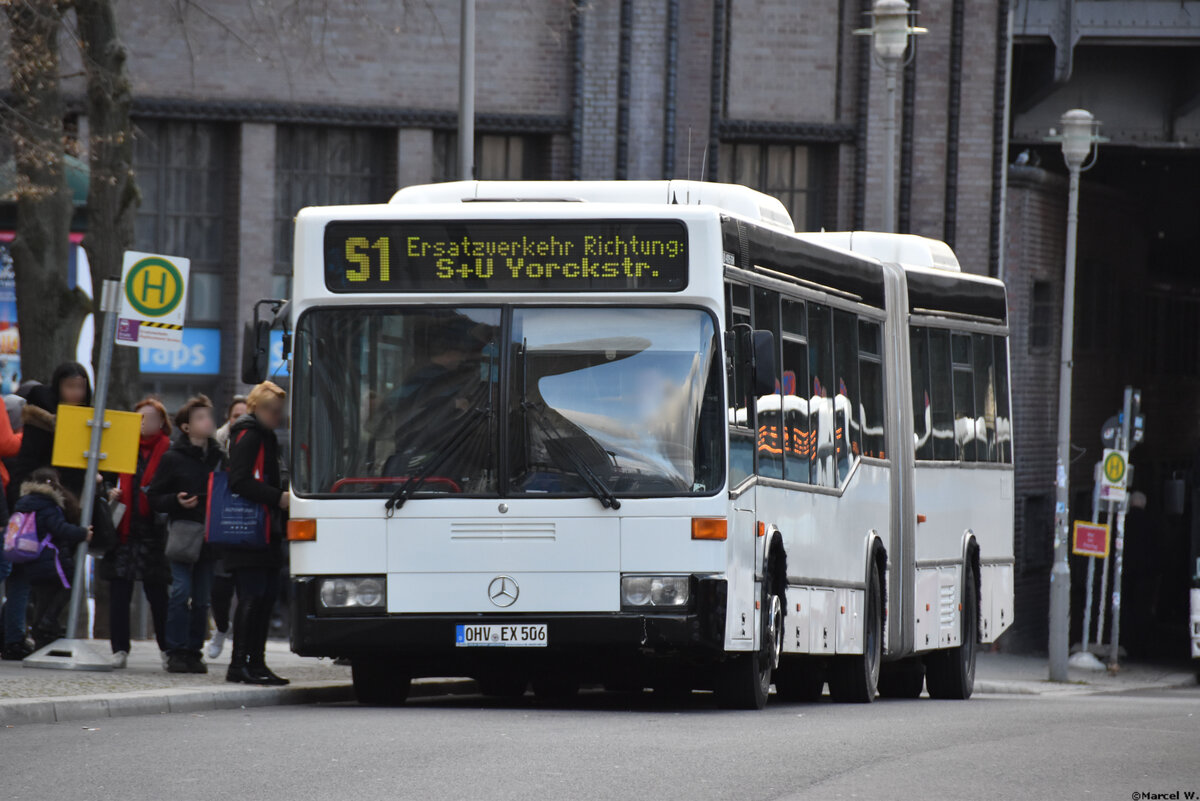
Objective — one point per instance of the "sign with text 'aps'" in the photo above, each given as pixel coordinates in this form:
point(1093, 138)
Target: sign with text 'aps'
point(153, 300)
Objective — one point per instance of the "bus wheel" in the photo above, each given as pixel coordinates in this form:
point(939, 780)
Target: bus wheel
point(502, 685)
point(904, 679)
point(799, 680)
point(379, 683)
point(745, 679)
point(854, 679)
point(950, 672)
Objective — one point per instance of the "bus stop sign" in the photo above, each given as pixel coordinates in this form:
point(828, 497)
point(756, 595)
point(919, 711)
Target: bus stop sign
point(153, 300)
point(1114, 475)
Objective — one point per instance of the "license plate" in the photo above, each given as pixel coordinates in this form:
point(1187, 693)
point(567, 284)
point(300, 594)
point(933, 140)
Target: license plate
point(499, 635)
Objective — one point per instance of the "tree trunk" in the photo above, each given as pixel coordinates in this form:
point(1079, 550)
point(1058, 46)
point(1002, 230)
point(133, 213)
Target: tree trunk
point(113, 196)
point(48, 312)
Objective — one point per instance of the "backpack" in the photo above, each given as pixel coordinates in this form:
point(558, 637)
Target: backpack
point(21, 542)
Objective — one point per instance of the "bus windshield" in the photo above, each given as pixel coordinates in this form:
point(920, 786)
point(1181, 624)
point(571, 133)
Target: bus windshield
point(624, 399)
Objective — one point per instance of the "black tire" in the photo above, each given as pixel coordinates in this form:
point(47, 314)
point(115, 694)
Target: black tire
point(555, 688)
point(744, 681)
point(799, 680)
point(855, 679)
point(950, 672)
point(502, 685)
point(904, 679)
point(379, 683)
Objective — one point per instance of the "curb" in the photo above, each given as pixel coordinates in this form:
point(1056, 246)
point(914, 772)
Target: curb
point(1174, 682)
point(29, 711)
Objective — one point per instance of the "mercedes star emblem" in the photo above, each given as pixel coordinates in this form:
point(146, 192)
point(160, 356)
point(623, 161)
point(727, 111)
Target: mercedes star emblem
point(503, 591)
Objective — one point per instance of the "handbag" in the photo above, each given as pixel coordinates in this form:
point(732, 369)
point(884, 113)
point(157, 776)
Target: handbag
point(234, 521)
point(185, 538)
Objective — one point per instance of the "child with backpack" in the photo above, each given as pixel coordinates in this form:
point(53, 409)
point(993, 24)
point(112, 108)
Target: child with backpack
point(40, 544)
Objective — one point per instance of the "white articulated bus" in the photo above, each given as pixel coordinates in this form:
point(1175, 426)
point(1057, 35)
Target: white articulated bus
point(643, 434)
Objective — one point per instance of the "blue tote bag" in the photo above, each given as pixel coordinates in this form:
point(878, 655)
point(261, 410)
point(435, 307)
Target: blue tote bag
point(234, 521)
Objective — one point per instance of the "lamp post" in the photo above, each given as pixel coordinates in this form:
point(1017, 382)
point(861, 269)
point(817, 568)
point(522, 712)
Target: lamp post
point(466, 92)
point(889, 34)
point(1078, 135)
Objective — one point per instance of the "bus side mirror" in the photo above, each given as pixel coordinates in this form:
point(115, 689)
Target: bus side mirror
point(256, 347)
point(763, 344)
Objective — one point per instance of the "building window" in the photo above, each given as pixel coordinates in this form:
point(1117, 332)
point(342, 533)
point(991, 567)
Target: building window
point(327, 166)
point(786, 172)
point(498, 157)
point(1041, 317)
point(181, 170)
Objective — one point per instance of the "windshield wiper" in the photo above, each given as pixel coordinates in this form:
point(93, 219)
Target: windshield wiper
point(443, 452)
point(577, 459)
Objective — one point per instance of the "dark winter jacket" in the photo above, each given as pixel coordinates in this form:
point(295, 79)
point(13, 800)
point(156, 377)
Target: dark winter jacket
point(142, 556)
point(184, 468)
point(47, 503)
point(37, 443)
point(247, 438)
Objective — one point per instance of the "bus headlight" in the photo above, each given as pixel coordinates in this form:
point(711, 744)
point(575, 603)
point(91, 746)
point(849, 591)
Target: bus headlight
point(353, 593)
point(655, 591)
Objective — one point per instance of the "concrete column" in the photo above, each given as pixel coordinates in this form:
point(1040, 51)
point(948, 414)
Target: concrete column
point(256, 231)
point(415, 156)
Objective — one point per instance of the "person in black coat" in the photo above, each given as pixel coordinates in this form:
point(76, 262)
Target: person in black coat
point(43, 496)
point(180, 490)
point(69, 386)
point(254, 474)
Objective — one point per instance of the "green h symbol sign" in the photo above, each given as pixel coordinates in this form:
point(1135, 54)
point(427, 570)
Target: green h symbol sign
point(148, 287)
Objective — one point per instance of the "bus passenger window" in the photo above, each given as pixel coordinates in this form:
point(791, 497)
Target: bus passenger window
point(870, 409)
point(797, 440)
point(769, 418)
point(1003, 418)
point(922, 404)
point(823, 469)
point(941, 394)
point(966, 433)
point(847, 433)
point(985, 398)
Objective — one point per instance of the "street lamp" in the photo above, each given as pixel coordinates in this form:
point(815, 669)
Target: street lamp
point(1079, 134)
point(889, 33)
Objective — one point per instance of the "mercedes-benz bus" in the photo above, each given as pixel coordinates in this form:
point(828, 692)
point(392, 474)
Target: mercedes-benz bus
point(643, 435)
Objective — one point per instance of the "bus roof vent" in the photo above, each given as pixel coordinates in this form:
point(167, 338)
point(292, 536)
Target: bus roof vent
point(907, 250)
point(738, 200)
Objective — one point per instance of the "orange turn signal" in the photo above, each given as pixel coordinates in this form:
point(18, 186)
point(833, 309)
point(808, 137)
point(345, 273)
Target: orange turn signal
point(302, 530)
point(709, 528)
point(762, 529)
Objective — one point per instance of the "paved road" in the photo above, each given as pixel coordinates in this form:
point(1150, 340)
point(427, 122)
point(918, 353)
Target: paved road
point(611, 747)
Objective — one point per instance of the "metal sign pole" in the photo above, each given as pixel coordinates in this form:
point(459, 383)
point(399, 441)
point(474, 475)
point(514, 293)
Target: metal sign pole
point(1085, 659)
point(72, 652)
point(1118, 553)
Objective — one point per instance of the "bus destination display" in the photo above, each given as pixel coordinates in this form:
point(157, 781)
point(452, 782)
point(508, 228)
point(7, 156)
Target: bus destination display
point(506, 256)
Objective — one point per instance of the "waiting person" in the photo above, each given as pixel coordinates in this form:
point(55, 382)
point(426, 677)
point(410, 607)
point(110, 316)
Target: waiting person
point(45, 497)
point(256, 571)
point(139, 552)
point(180, 489)
point(222, 584)
point(236, 408)
point(69, 386)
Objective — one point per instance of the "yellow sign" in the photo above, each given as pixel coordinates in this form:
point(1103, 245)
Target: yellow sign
point(118, 443)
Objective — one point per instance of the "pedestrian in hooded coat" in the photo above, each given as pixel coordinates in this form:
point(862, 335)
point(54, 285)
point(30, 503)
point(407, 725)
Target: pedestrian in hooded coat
point(43, 496)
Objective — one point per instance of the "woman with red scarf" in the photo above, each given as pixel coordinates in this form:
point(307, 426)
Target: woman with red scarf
point(139, 552)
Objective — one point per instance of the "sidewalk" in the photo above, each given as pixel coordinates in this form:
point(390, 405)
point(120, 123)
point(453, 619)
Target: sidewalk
point(1027, 675)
